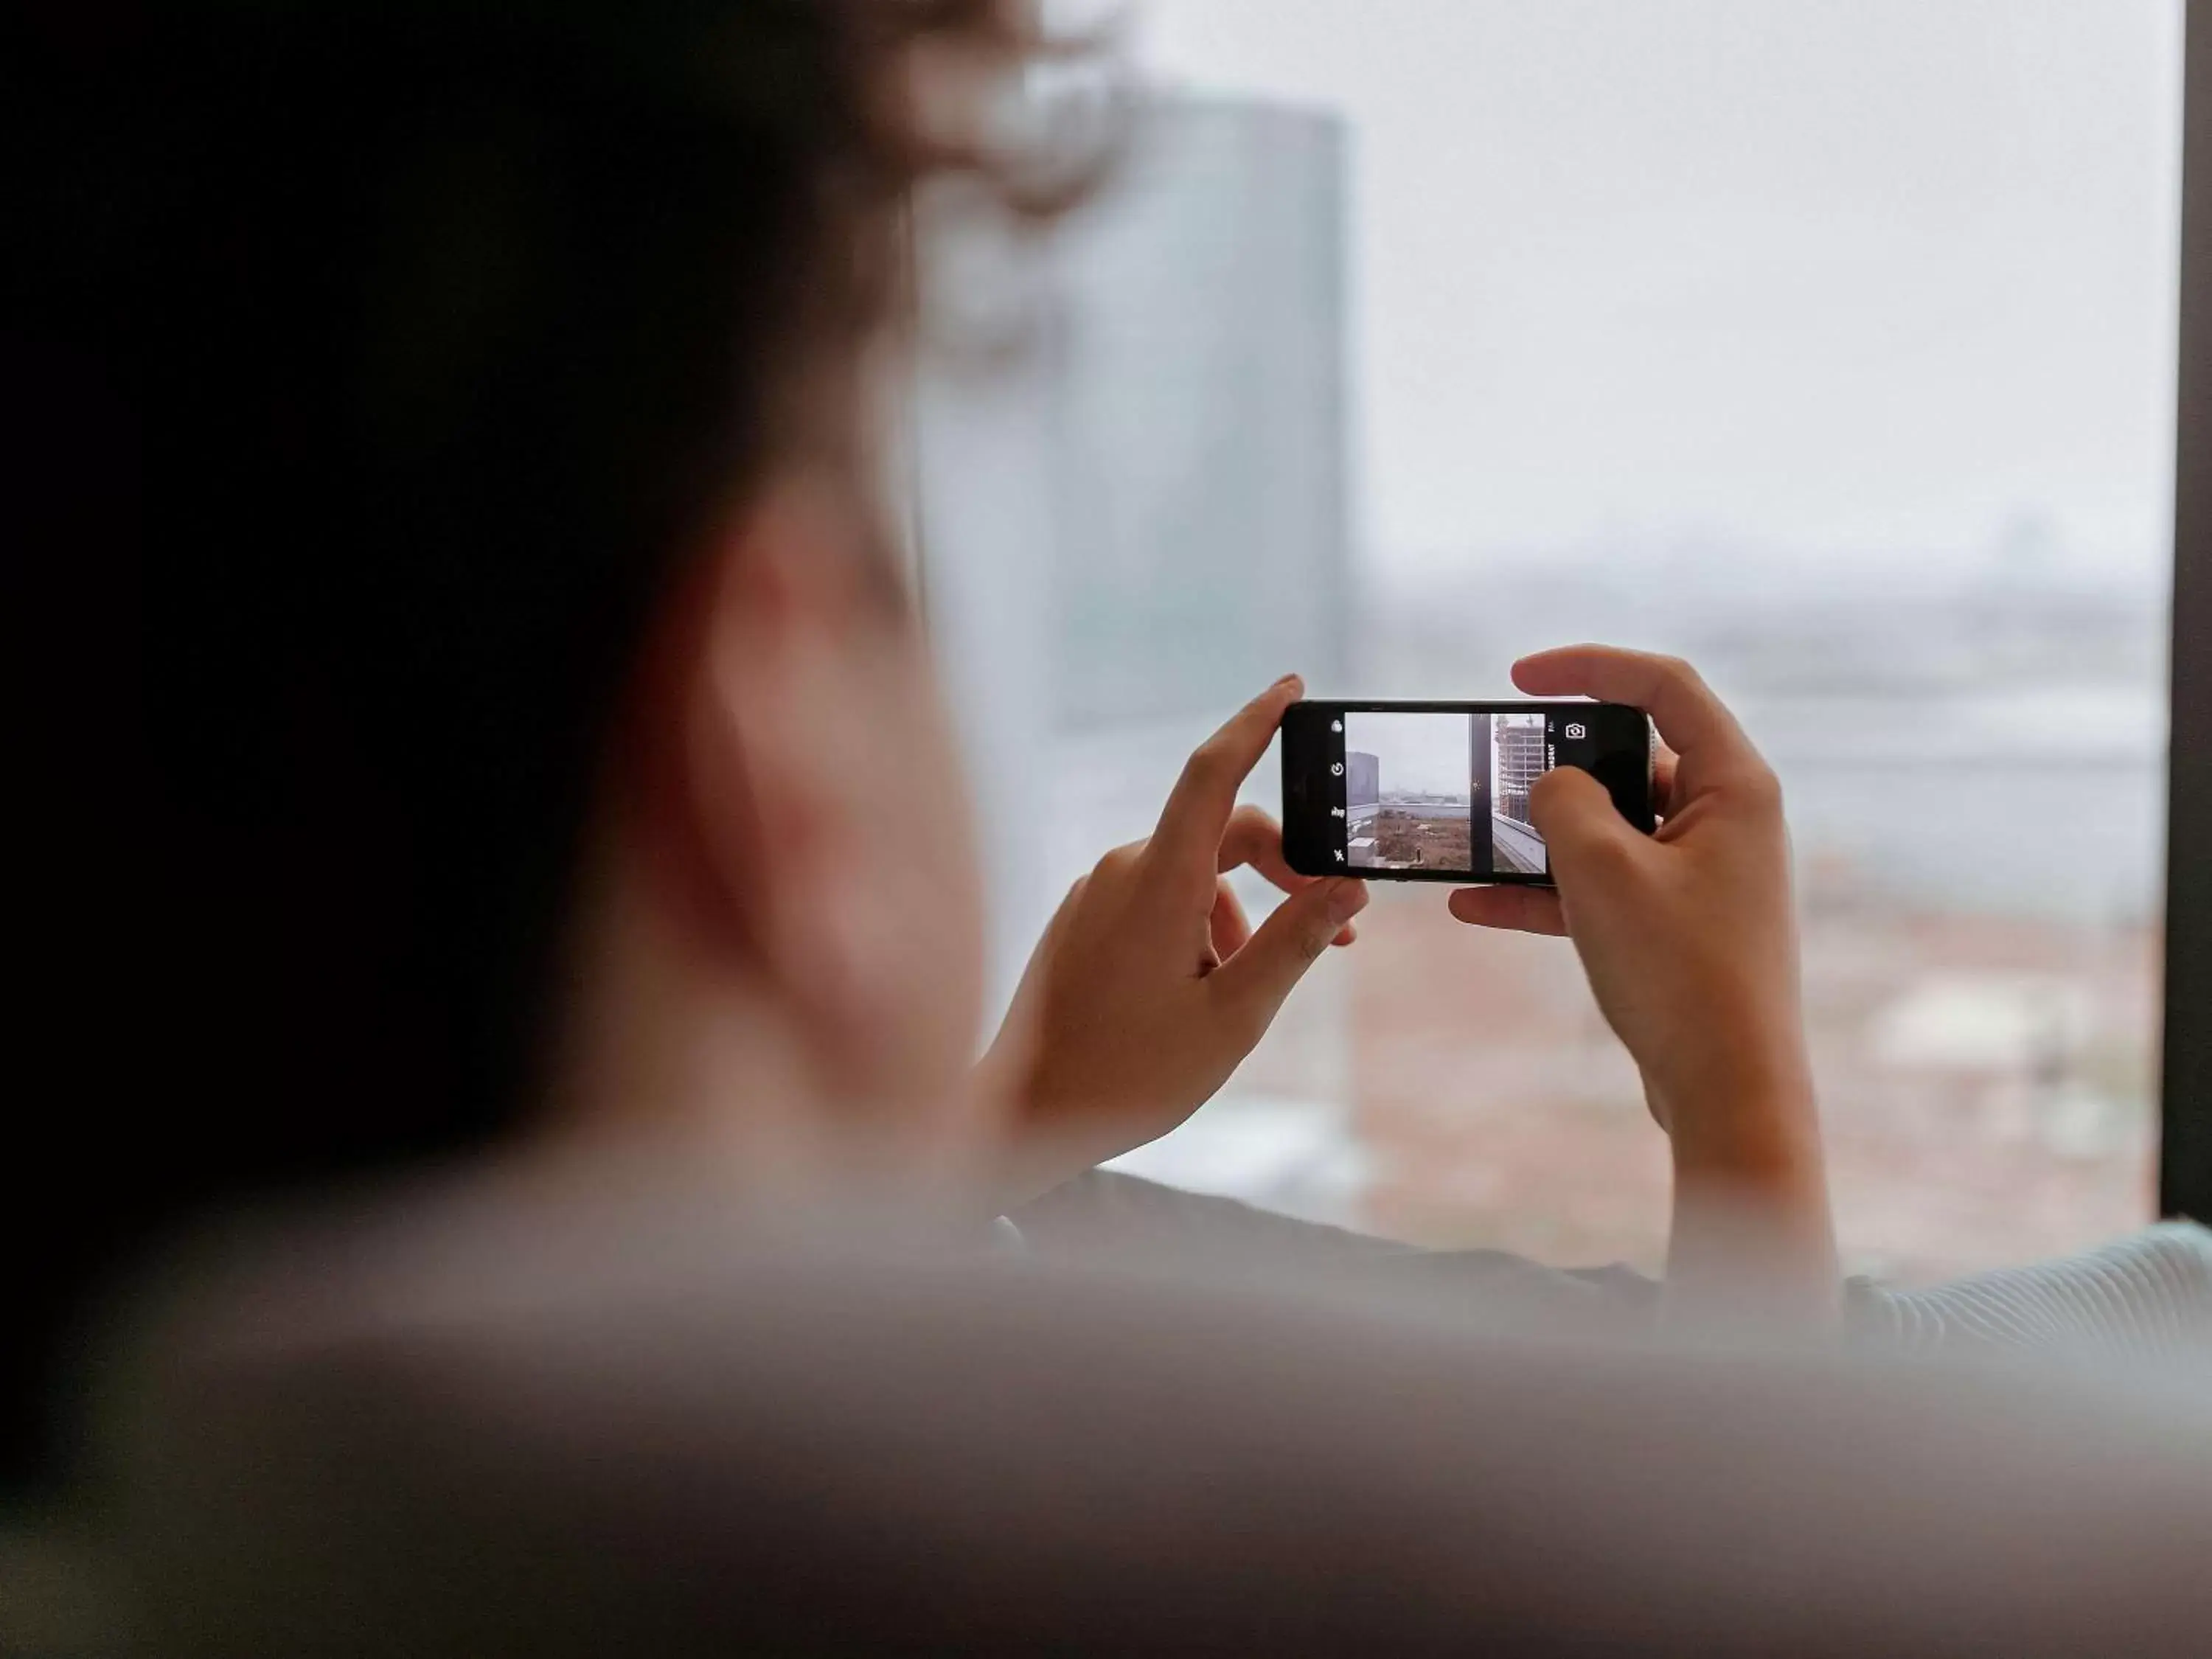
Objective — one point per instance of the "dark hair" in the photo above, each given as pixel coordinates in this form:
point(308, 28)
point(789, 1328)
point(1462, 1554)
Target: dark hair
point(367, 369)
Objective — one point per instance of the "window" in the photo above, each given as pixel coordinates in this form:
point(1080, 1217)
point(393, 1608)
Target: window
point(1831, 346)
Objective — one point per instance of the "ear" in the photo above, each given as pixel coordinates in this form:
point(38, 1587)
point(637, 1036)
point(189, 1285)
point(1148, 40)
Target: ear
point(751, 806)
point(807, 803)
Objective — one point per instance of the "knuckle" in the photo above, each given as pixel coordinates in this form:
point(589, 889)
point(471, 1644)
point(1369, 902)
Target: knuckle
point(1206, 763)
point(1550, 794)
point(1615, 851)
point(1602, 857)
point(1241, 832)
point(1314, 929)
point(1760, 788)
point(1251, 823)
point(1119, 861)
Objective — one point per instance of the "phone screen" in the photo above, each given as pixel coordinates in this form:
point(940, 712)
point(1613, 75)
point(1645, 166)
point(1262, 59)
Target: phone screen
point(1441, 791)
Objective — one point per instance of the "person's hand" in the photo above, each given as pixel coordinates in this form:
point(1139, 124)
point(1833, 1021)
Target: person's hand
point(1689, 939)
point(1689, 935)
point(1149, 986)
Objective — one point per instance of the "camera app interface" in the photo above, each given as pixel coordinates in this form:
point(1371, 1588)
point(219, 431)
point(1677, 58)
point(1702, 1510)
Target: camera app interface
point(1446, 792)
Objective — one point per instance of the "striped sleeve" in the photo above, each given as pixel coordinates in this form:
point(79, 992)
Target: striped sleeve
point(2147, 1297)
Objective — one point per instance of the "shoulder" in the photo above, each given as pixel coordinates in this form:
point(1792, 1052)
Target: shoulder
point(1105, 1216)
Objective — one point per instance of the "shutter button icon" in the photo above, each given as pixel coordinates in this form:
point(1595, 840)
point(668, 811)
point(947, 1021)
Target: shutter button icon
point(1577, 731)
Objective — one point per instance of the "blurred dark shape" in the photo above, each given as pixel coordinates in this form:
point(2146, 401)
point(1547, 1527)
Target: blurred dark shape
point(513, 1427)
point(369, 371)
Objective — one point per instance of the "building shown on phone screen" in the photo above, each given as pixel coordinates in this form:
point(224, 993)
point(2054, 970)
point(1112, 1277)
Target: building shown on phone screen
point(1520, 763)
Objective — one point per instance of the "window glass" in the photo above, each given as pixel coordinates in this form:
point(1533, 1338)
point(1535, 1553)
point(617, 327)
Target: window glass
point(1829, 346)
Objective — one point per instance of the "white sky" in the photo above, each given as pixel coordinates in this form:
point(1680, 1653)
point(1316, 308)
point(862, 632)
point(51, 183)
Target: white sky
point(1843, 276)
point(1420, 754)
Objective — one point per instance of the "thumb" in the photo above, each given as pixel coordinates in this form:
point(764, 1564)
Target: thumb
point(1275, 959)
point(1585, 837)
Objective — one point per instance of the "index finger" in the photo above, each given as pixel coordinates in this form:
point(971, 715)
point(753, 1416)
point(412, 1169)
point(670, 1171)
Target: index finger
point(1197, 812)
point(1692, 720)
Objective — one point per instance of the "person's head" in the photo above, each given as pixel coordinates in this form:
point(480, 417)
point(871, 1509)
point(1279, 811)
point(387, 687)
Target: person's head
point(466, 648)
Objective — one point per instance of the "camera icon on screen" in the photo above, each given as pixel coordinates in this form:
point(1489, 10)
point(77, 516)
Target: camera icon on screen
point(1577, 730)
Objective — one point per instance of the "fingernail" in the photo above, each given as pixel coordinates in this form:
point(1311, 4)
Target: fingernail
point(1347, 899)
point(1287, 679)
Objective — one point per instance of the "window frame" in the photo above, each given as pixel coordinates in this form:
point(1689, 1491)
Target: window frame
point(2185, 1094)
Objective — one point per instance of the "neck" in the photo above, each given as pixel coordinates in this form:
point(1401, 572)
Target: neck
point(673, 1044)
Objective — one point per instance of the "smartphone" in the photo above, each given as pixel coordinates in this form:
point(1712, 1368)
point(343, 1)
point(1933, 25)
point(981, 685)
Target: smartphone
point(1439, 791)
